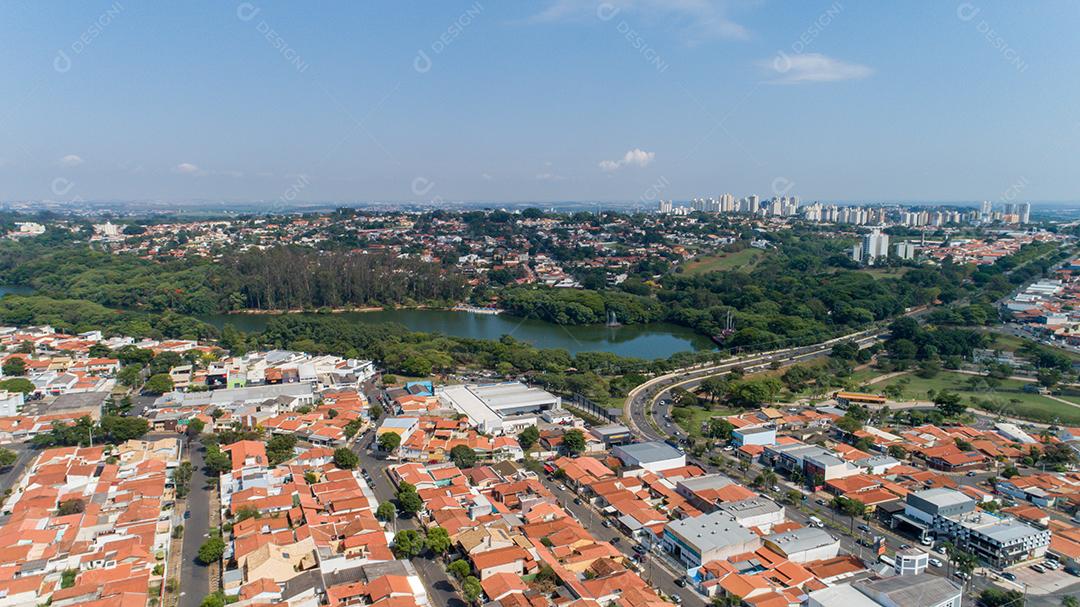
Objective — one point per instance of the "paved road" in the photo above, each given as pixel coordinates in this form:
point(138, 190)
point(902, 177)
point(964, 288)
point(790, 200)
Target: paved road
point(195, 577)
point(442, 592)
point(653, 572)
point(10, 476)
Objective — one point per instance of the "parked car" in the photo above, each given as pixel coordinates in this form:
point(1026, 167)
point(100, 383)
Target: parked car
point(680, 582)
point(616, 540)
point(1051, 565)
point(820, 501)
point(606, 523)
point(1009, 576)
point(577, 500)
point(972, 473)
point(864, 528)
point(677, 599)
point(936, 562)
point(187, 514)
point(1039, 568)
point(926, 541)
point(905, 546)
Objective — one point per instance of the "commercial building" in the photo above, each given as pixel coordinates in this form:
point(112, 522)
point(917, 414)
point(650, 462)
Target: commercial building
point(505, 408)
point(709, 537)
point(804, 544)
point(910, 561)
point(613, 434)
point(922, 590)
point(753, 436)
point(760, 512)
point(653, 456)
point(998, 540)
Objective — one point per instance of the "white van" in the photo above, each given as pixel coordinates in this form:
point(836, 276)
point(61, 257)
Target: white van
point(816, 522)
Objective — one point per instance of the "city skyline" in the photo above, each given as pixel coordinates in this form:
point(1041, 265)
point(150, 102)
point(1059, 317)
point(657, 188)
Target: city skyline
point(563, 101)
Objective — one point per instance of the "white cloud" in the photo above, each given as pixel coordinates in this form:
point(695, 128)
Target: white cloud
point(698, 18)
point(813, 67)
point(186, 168)
point(636, 157)
point(71, 160)
point(486, 177)
point(549, 177)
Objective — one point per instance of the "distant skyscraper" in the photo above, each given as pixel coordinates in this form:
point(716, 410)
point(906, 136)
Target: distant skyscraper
point(1024, 211)
point(874, 245)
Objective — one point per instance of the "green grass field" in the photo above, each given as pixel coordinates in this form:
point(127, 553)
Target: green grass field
point(1009, 394)
point(1012, 343)
point(741, 260)
point(879, 273)
point(691, 419)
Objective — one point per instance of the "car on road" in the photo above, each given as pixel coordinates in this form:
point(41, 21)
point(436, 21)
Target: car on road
point(638, 548)
point(606, 523)
point(1009, 576)
point(926, 541)
point(972, 473)
point(577, 500)
point(864, 528)
point(680, 582)
point(905, 546)
point(677, 599)
point(616, 540)
point(819, 502)
point(936, 562)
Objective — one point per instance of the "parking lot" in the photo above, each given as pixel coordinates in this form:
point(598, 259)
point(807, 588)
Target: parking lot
point(1040, 583)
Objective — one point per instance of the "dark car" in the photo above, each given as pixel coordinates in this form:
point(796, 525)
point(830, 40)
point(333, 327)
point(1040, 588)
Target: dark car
point(1009, 576)
point(187, 514)
point(616, 540)
point(864, 528)
point(680, 582)
point(639, 549)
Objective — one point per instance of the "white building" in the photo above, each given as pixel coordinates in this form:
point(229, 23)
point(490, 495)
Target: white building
point(653, 456)
point(10, 403)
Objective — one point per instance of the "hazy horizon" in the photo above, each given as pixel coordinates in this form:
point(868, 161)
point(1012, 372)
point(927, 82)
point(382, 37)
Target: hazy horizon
point(626, 101)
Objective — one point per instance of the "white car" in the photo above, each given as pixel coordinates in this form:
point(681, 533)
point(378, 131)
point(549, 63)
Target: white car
point(936, 562)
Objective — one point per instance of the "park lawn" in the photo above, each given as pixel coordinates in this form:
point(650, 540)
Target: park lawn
point(740, 260)
point(879, 273)
point(697, 417)
point(1027, 405)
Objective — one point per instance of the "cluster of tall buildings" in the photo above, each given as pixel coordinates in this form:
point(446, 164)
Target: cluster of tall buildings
point(778, 206)
point(788, 206)
point(1011, 212)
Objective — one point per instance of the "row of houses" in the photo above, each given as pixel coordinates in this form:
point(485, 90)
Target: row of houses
point(304, 533)
point(90, 526)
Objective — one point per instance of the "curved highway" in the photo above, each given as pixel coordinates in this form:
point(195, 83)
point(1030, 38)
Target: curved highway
point(642, 399)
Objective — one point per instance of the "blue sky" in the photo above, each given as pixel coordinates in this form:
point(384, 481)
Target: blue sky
point(556, 100)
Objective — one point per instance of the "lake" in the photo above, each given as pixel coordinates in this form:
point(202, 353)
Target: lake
point(653, 340)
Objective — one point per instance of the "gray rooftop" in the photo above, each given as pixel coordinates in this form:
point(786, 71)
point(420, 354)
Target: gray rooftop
point(923, 590)
point(232, 395)
point(654, 451)
point(713, 531)
point(799, 540)
point(942, 497)
point(754, 506)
